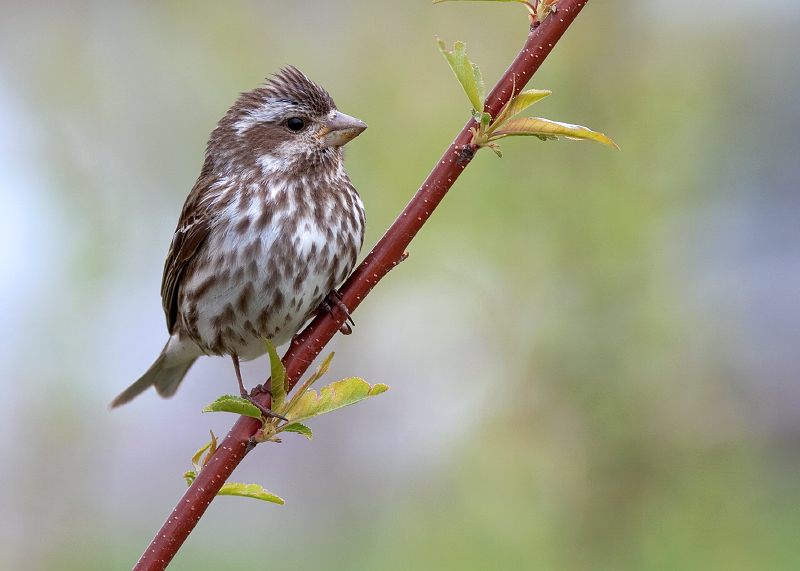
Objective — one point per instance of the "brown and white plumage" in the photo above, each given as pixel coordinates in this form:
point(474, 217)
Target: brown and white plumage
point(271, 227)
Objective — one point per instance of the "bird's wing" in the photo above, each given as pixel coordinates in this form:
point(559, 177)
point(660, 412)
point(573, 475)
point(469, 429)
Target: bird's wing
point(193, 227)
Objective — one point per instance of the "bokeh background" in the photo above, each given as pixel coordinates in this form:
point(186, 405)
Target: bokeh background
point(594, 356)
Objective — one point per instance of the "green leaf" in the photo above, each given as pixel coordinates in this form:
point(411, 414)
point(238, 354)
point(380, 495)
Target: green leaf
point(530, 8)
point(480, 85)
point(236, 405)
point(249, 491)
point(211, 447)
point(467, 73)
point(539, 127)
point(440, 1)
point(485, 120)
point(244, 490)
point(299, 428)
point(278, 373)
point(321, 370)
point(230, 489)
point(198, 455)
point(546, 7)
point(518, 104)
point(336, 395)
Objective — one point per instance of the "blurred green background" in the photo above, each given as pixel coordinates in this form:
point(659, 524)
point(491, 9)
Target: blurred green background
point(594, 355)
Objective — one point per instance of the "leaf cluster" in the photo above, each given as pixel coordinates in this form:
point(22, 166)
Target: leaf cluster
point(303, 405)
point(254, 491)
point(490, 130)
point(537, 11)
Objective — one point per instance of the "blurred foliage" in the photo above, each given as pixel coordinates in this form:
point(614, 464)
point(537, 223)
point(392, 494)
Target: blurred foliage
point(621, 431)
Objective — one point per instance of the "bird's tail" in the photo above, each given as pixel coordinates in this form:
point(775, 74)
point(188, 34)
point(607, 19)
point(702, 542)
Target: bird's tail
point(165, 375)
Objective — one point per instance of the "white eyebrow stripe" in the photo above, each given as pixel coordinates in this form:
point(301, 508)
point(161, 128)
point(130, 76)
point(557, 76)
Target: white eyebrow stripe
point(273, 109)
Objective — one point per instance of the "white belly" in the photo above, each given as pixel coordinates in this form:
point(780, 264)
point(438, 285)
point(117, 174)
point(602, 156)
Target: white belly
point(253, 283)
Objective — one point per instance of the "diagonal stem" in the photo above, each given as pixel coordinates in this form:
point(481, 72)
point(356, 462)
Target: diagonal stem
point(386, 254)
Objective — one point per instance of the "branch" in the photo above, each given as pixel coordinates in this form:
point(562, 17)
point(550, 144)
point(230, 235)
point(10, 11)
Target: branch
point(386, 254)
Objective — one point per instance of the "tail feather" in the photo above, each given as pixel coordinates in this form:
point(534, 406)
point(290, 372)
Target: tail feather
point(165, 378)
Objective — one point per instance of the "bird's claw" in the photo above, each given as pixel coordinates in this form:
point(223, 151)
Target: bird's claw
point(267, 413)
point(260, 390)
point(335, 298)
point(256, 390)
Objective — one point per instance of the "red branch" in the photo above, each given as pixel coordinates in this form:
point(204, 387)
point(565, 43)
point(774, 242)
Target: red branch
point(387, 253)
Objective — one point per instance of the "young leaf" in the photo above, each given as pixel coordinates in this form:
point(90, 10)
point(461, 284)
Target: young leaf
point(199, 454)
point(244, 490)
point(300, 391)
point(516, 105)
point(484, 121)
point(539, 127)
point(527, 5)
point(545, 8)
point(211, 447)
point(321, 370)
point(467, 73)
point(299, 428)
point(336, 395)
point(278, 373)
point(230, 489)
point(236, 405)
point(481, 86)
point(249, 491)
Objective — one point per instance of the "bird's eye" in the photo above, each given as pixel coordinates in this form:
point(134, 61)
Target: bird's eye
point(295, 123)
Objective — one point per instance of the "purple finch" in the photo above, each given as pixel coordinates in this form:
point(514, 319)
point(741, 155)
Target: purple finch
point(271, 227)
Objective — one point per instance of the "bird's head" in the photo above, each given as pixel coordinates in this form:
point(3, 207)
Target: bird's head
point(288, 124)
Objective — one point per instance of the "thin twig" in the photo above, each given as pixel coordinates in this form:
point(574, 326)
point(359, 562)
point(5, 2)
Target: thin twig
point(386, 254)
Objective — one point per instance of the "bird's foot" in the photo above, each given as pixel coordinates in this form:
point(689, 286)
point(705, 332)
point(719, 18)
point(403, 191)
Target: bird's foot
point(260, 390)
point(251, 397)
point(334, 298)
point(264, 410)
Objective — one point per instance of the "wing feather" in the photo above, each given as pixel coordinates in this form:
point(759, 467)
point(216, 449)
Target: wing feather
point(193, 227)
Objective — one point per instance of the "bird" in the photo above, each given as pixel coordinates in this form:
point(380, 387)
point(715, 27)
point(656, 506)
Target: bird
point(271, 227)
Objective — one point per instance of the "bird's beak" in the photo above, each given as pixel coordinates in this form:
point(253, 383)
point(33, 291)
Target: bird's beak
point(340, 129)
